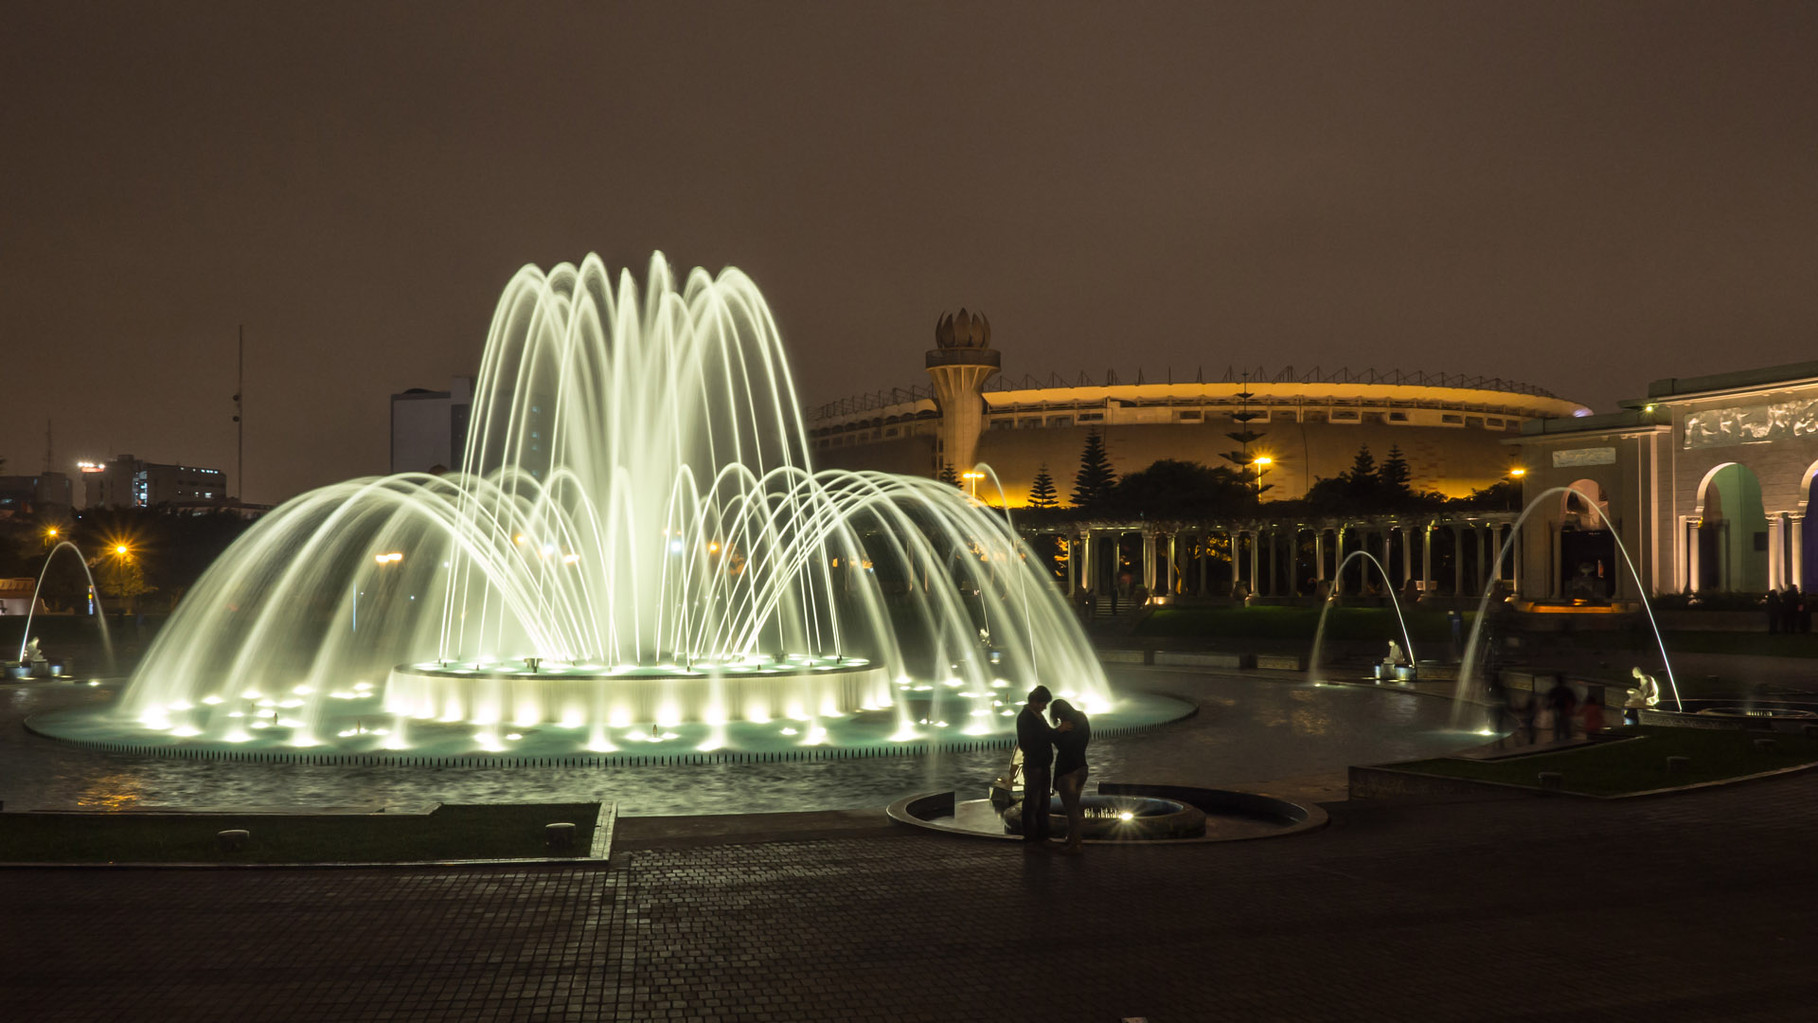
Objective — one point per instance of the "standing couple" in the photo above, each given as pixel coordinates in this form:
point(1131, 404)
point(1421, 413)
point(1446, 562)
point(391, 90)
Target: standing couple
point(1044, 771)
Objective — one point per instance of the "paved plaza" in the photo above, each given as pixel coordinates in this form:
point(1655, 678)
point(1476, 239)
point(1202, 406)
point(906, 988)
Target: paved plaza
point(1696, 906)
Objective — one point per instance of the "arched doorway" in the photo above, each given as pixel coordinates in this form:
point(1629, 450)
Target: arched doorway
point(1587, 547)
point(1732, 532)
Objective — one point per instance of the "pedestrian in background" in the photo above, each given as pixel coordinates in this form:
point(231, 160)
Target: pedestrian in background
point(1562, 702)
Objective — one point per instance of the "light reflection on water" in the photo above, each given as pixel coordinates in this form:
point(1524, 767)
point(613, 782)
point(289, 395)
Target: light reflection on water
point(1248, 730)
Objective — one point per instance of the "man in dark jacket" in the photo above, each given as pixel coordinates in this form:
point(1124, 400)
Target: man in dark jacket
point(1035, 738)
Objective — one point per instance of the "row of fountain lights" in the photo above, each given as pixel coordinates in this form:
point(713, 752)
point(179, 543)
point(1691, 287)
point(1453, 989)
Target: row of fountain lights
point(261, 712)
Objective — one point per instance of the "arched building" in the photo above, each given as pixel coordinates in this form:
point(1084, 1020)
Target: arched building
point(1707, 483)
point(1450, 429)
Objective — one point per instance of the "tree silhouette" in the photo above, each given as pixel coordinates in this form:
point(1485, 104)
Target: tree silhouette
point(122, 579)
point(1093, 483)
point(1394, 474)
point(947, 475)
point(1369, 488)
point(1041, 492)
point(1245, 466)
point(1174, 489)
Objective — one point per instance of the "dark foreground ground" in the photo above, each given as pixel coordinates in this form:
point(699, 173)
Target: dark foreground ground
point(1692, 907)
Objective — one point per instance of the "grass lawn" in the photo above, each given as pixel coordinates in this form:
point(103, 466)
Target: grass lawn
point(1639, 764)
point(449, 833)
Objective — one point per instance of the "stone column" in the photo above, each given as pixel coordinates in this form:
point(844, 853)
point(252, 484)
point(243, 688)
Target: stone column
point(1338, 559)
point(1796, 527)
point(1426, 557)
point(1777, 573)
point(1148, 562)
point(1319, 555)
point(1693, 556)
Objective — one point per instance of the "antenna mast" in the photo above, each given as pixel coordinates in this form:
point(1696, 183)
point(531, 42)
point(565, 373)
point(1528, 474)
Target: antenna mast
point(240, 423)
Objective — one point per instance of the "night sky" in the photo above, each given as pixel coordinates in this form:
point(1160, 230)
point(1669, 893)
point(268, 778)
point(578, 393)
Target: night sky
point(1584, 196)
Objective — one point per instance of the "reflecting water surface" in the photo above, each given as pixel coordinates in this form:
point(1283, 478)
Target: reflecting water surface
point(1248, 730)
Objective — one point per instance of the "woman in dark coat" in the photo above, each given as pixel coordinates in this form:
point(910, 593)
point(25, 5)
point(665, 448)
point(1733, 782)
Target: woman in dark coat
point(1070, 768)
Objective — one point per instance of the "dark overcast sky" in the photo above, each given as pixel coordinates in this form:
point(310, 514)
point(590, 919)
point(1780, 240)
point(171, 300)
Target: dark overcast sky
point(1585, 196)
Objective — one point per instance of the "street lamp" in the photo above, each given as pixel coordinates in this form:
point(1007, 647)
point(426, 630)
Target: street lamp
point(1262, 464)
point(972, 479)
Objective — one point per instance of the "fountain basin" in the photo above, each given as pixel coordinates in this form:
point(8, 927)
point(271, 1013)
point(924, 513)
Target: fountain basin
point(1760, 717)
point(1118, 819)
point(667, 695)
point(1219, 815)
point(359, 731)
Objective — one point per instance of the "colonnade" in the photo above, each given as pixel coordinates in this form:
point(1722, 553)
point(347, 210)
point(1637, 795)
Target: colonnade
point(1785, 554)
point(1285, 559)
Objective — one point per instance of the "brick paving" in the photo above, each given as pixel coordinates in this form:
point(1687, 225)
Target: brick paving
point(1691, 907)
point(1696, 906)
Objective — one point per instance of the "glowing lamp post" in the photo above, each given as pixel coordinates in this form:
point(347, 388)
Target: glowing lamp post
point(972, 479)
point(1261, 464)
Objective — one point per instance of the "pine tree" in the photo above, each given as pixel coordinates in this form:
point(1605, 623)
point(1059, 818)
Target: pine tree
point(1394, 474)
point(1243, 464)
point(1363, 484)
point(1093, 483)
point(947, 475)
point(1041, 492)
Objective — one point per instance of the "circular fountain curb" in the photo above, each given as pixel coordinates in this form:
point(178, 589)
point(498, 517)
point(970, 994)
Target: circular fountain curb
point(917, 812)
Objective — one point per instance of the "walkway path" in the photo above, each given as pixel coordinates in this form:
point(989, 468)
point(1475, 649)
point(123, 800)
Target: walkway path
point(1691, 907)
point(1697, 907)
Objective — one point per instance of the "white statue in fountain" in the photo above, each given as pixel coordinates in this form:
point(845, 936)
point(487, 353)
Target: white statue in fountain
point(1646, 693)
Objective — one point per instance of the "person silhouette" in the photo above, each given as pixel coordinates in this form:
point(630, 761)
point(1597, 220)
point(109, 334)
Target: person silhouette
point(1035, 737)
point(1070, 771)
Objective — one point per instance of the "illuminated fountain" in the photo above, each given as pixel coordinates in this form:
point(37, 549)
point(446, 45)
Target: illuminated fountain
point(1467, 690)
point(94, 596)
point(1319, 633)
point(635, 551)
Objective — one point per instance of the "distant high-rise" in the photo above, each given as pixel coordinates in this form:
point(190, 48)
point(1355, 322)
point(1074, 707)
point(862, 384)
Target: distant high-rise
point(129, 482)
point(429, 428)
point(39, 494)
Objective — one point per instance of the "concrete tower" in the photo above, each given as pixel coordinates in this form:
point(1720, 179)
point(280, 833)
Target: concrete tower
point(960, 363)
